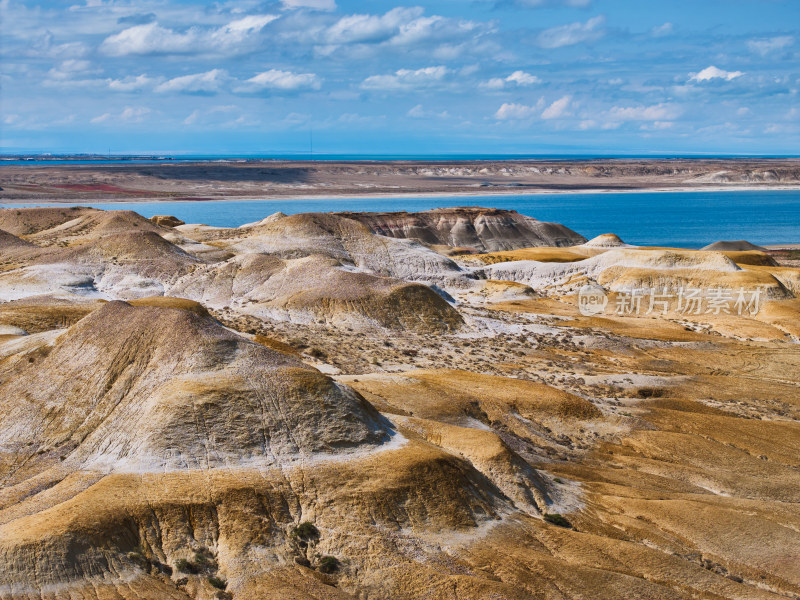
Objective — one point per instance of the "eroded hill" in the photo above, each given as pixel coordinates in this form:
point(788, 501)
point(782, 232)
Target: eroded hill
point(302, 408)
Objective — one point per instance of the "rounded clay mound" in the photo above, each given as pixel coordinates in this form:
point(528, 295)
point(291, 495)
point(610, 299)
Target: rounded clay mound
point(606, 240)
point(148, 389)
point(735, 246)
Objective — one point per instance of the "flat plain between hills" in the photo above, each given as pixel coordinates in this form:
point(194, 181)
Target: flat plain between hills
point(391, 405)
point(276, 179)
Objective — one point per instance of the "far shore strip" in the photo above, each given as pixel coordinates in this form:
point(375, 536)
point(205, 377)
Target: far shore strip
point(443, 194)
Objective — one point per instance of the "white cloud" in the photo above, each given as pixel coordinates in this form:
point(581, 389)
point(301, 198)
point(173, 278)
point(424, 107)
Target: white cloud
point(228, 115)
point(657, 126)
point(130, 114)
point(662, 30)
point(70, 69)
point(419, 112)
point(151, 38)
point(520, 78)
point(713, 72)
point(134, 114)
point(512, 111)
point(198, 83)
point(558, 108)
point(192, 118)
point(45, 47)
point(237, 32)
point(399, 27)
point(406, 79)
point(275, 79)
point(656, 112)
point(371, 28)
point(131, 83)
point(574, 33)
point(313, 4)
point(769, 45)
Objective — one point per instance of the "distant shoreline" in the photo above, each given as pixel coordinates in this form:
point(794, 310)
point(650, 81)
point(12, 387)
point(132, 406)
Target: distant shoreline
point(318, 180)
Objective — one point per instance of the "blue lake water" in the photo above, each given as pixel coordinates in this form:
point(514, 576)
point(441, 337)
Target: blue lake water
point(683, 219)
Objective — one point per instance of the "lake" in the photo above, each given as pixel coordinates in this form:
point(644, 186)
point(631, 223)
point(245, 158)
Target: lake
point(683, 219)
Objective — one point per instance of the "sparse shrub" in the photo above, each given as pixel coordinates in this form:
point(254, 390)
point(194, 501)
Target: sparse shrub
point(185, 566)
point(138, 558)
point(306, 531)
point(556, 519)
point(558, 480)
point(318, 354)
point(328, 564)
point(217, 582)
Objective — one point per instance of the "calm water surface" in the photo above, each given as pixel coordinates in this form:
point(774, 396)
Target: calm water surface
point(684, 219)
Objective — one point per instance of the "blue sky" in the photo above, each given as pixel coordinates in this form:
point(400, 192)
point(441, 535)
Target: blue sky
point(382, 77)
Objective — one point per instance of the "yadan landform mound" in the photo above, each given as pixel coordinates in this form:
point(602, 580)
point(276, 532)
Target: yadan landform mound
point(461, 403)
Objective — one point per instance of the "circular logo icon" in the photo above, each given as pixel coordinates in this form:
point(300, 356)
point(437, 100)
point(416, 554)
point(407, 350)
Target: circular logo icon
point(592, 300)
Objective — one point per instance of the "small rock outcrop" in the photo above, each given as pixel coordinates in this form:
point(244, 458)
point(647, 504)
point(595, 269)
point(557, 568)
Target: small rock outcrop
point(484, 229)
point(167, 221)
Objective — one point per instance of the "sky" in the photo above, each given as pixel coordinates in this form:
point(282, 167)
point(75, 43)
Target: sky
point(389, 78)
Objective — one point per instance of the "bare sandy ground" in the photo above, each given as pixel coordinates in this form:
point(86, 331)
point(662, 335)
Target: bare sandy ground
point(307, 179)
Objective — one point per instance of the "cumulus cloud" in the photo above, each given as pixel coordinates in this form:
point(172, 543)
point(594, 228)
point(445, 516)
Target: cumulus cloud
point(512, 111)
point(131, 83)
point(361, 28)
point(557, 109)
point(45, 46)
point(656, 112)
point(518, 78)
point(406, 79)
point(152, 38)
point(209, 82)
point(134, 114)
point(275, 79)
point(238, 31)
point(71, 68)
point(398, 27)
point(713, 72)
point(574, 33)
point(769, 45)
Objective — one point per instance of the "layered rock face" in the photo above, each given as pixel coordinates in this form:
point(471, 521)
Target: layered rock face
point(485, 230)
